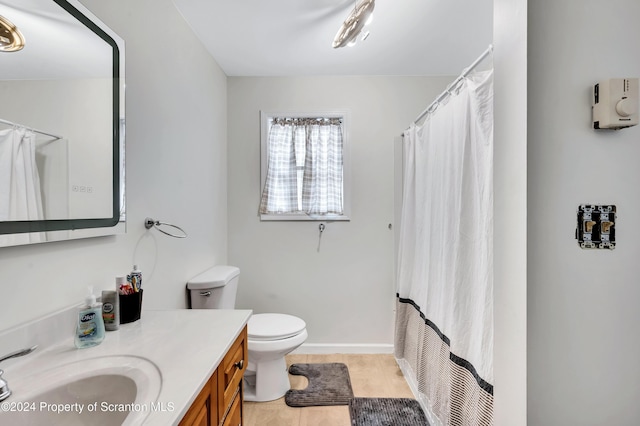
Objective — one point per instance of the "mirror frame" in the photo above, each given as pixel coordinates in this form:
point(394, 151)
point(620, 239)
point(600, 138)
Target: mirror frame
point(85, 17)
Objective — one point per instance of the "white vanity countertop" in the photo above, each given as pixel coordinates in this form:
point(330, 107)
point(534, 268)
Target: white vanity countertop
point(186, 346)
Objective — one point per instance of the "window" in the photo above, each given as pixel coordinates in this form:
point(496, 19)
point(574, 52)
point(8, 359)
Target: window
point(304, 164)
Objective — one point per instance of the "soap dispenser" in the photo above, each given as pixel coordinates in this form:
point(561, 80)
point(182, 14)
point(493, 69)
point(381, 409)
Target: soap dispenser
point(90, 326)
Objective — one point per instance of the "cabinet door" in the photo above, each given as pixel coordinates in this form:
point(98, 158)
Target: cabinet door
point(202, 418)
point(199, 412)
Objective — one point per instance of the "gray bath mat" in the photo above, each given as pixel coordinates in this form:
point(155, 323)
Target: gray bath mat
point(329, 384)
point(386, 412)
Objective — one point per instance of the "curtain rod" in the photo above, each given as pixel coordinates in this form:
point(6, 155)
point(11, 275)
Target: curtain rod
point(9, 123)
point(433, 105)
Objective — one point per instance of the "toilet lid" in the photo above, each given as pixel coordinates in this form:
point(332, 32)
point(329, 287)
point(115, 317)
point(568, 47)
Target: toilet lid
point(274, 326)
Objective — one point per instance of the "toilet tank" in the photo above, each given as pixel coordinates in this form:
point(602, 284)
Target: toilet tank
point(214, 288)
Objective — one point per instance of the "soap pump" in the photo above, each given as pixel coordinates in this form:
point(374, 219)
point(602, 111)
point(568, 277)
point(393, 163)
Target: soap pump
point(90, 326)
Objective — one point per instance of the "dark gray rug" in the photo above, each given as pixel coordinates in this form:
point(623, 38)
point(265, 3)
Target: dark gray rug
point(386, 412)
point(329, 384)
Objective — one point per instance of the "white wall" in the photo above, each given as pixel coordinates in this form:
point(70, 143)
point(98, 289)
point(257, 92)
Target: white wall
point(176, 172)
point(583, 340)
point(510, 212)
point(345, 292)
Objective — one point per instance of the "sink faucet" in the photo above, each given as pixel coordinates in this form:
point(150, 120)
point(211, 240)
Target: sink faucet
point(5, 392)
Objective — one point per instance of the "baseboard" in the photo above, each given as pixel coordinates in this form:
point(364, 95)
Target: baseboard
point(344, 348)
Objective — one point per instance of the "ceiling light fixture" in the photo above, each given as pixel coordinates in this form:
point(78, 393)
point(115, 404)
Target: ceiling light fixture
point(353, 26)
point(11, 39)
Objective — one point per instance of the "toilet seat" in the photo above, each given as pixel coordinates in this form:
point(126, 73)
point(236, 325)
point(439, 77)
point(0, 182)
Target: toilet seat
point(268, 327)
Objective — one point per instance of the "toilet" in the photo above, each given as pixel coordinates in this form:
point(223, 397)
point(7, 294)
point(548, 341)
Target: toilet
point(270, 336)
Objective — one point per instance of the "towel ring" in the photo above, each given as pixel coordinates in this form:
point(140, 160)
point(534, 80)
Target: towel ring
point(148, 223)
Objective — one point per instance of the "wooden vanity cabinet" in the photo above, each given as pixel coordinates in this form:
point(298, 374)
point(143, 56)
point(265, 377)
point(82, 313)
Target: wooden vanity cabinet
point(220, 401)
point(204, 410)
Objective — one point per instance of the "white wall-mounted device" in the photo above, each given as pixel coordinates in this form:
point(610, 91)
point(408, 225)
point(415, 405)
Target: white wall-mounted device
point(615, 103)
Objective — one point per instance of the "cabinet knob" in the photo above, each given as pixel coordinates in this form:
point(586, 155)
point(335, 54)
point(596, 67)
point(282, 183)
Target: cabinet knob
point(239, 364)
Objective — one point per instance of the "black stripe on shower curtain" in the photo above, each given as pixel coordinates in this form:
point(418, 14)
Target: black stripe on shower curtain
point(488, 387)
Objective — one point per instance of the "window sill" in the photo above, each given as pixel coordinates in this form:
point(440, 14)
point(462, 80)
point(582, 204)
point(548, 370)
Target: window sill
point(303, 217)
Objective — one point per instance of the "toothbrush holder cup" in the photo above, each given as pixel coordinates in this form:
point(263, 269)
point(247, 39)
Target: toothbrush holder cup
point(130, 307)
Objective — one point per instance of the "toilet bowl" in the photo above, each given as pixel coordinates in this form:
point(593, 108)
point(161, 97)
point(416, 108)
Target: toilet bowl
point(271, 336)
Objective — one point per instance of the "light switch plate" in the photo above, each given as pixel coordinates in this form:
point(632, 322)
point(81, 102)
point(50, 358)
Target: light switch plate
point(596, 227)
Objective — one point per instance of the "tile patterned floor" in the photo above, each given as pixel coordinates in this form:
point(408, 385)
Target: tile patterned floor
point(371, 376)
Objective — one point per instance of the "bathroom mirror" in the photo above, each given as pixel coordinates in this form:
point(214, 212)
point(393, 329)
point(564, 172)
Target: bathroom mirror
point(61, 124)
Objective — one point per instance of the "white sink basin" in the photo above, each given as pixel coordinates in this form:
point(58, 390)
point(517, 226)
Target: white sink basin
point(107, 390)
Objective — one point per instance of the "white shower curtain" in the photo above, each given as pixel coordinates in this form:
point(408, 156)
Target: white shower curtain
point(444, 324)
point(20, 195)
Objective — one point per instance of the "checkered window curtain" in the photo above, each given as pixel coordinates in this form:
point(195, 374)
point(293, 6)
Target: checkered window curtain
point(305, 167)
